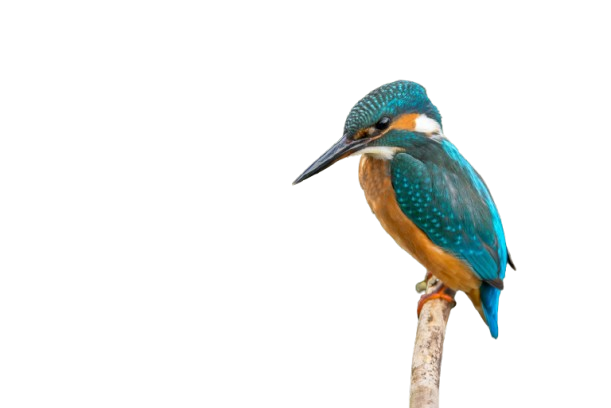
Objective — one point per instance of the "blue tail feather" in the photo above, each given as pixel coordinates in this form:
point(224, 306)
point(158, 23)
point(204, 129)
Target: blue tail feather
point(490, 303)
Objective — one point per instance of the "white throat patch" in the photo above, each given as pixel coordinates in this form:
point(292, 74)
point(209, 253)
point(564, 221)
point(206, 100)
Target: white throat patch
point(379, 152)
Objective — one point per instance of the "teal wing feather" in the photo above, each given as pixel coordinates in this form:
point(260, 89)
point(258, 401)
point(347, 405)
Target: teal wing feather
point(444, 196)
point(449, 208)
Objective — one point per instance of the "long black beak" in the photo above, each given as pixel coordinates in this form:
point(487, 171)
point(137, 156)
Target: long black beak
point(343, 148)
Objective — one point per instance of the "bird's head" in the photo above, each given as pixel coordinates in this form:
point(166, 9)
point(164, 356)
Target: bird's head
point(382, 123)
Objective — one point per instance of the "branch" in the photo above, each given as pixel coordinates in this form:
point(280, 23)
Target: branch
point(426, 362)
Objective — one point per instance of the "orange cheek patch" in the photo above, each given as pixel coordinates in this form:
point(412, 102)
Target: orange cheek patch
point(406, 121)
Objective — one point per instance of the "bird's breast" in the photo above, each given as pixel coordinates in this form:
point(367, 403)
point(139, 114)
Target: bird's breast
point(375, 179)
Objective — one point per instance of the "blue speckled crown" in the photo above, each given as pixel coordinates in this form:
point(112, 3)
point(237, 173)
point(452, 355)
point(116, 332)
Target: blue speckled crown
point(390, 99)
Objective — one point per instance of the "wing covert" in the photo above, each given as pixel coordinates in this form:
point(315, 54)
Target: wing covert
point(444, 200)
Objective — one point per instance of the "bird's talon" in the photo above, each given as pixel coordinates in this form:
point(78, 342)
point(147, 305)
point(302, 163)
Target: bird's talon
point(442, 292)
point(421, 286)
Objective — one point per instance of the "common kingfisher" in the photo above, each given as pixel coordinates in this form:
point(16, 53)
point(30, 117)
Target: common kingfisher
point(425, 193)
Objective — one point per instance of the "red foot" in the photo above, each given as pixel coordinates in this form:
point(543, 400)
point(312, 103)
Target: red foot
point(438, 294)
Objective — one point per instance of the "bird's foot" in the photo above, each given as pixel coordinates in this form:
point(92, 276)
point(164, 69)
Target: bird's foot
point(421, 286)
point(442, 292)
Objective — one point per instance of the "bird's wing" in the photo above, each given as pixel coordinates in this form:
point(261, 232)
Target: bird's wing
point(450, 203)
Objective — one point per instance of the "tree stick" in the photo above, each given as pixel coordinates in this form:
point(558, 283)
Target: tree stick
point(428, 350)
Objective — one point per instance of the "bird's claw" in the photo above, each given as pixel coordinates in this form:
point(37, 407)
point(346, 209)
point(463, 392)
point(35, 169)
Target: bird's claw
point(421, 286)
point(442, 292)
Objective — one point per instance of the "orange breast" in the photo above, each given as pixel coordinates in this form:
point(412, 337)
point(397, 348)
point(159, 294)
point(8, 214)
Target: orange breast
point(374, 175)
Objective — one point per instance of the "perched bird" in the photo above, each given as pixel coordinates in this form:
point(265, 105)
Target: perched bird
point(425, 193)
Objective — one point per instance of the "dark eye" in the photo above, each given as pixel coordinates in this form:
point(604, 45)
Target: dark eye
point(383, 123)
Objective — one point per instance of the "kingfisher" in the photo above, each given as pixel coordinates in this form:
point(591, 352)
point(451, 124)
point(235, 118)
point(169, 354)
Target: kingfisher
point(425, 194)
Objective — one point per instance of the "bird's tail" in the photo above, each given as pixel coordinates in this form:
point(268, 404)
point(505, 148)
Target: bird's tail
point(489, 296)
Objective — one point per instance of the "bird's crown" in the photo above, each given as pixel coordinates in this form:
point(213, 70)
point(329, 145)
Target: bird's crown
point(390, 100)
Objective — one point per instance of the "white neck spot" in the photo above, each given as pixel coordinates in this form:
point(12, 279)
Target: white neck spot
point(424, 124)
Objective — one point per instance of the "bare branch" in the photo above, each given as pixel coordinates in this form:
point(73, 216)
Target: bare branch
point(428, 350)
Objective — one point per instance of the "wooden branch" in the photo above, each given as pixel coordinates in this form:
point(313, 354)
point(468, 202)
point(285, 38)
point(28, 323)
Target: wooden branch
point(428, 350)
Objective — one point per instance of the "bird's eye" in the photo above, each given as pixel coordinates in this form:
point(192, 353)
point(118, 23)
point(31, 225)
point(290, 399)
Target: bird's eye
point(383, 123)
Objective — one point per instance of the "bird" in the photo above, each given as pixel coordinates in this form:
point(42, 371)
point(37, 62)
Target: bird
point(425, 194)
